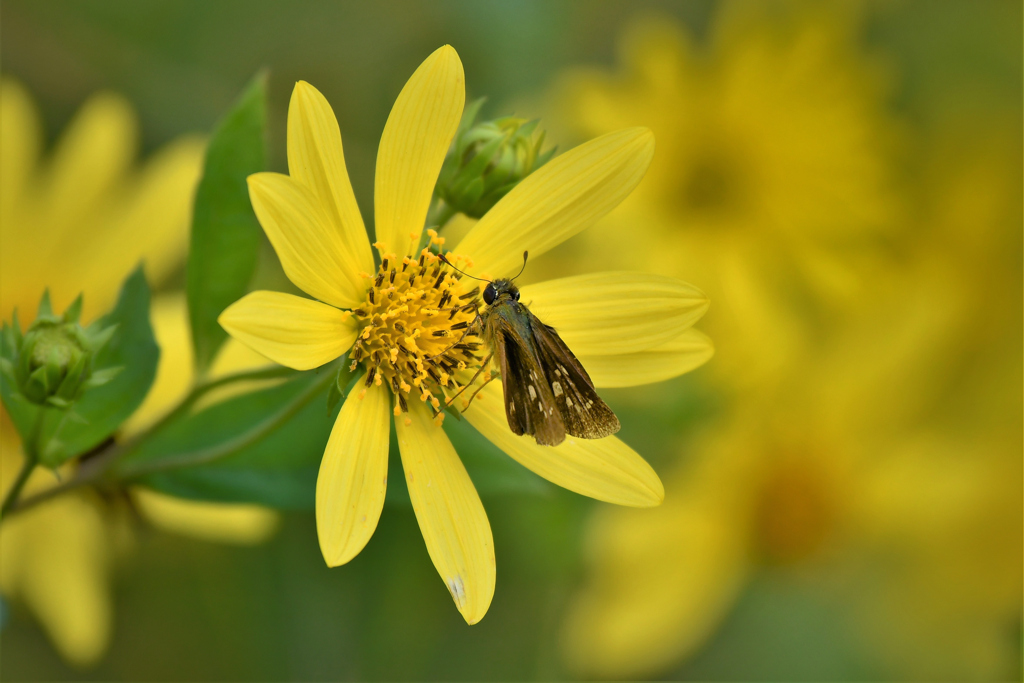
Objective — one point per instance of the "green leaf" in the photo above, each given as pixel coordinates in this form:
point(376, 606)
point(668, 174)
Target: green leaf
point(340, 386)
point(101, 410)
point(279, 469)
point(225, 233)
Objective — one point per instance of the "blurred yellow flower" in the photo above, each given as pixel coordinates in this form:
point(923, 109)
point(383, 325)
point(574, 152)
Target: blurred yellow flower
point(887, 471)
point(392, 321)
point(771, 185)
point(79, 221)
point(920, 530)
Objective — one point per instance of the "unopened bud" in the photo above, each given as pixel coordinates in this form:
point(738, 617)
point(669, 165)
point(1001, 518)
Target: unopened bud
point(52, 363)
point(487, 160)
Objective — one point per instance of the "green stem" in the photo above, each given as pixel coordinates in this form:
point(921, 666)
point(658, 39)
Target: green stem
point(12, 496)
point(31, 460)
point(96, 467)
point(271, 372)
point(232, 446)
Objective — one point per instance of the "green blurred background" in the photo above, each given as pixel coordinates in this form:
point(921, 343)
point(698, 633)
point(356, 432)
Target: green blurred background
point(188, 610)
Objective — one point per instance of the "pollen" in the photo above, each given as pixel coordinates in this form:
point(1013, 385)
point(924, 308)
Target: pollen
point(416, 332)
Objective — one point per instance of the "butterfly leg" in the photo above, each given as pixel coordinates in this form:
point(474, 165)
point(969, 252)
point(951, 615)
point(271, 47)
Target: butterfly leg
point(468, 384)
point(486, 382)
point(469, 328)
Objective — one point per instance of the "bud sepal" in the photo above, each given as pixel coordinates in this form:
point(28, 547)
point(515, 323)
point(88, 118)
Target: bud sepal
point(487, 160)
point(53, 360)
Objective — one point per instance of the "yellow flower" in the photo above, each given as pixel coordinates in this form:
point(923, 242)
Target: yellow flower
point(771, 175)
point(404, 319)
point(53, 212)
point(79, 221)
point(887, 472)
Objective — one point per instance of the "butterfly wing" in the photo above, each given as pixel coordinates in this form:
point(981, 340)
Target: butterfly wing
point(583, 412)
point(530, 404)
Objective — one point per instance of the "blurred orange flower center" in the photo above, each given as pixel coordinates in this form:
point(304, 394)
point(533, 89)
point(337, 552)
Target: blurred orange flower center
point(711, 184)
point(796, 513)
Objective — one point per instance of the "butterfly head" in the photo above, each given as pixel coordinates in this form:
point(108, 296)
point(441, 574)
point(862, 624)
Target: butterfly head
point(499, 289)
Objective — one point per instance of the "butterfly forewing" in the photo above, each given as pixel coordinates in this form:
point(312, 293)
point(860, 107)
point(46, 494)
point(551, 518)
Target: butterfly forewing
point(583, 412)
point(530, 405)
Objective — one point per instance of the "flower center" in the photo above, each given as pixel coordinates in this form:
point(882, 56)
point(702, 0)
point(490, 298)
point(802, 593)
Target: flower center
point(416, 335)
point(796, 514)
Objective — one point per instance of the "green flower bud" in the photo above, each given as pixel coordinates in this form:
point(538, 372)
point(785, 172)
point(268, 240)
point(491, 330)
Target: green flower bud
point(487, 160)
point(52, 363)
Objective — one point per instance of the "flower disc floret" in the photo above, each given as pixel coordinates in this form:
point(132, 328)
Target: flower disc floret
point(415, 330)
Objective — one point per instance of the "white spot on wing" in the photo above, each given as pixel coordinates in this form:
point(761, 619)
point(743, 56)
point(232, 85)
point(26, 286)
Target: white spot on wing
point(533, 393)
point(557, 388)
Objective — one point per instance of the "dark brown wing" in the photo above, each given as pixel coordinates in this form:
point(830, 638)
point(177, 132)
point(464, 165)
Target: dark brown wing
point(530, 405)
point(584, 413)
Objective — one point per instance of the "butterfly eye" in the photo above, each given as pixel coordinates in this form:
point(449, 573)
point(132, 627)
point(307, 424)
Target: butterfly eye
point(489, 294)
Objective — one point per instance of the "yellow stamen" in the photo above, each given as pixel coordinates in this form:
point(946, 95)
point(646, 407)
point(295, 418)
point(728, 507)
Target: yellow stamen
point(407, 338)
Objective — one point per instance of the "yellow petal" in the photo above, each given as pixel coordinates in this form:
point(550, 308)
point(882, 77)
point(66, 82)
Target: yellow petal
point(62, 552)
point(66, 205)
point(236, 357)
point(20, 142)
point(413, 146)
point(312, 252)
point(604, 314)
point(560, 199)
point(169, 317)
point(235, 523)
point(288, 329)
point(670, 359)
point(316, 159)
point(605, 469)
point(151, 224)
point(90, 161)
point(449, 512)
point(353, 475)
point(21, 281)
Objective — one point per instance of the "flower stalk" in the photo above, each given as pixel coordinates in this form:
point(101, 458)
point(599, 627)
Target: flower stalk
point(27, 467)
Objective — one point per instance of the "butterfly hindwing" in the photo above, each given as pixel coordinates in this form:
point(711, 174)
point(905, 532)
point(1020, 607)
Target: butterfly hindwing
point(583, 412)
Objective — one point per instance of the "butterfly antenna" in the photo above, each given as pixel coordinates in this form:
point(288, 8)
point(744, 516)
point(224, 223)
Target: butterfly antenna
point(526, 255)
point(450, 265)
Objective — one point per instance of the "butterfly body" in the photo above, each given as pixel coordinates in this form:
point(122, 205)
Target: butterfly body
point(548, 394)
